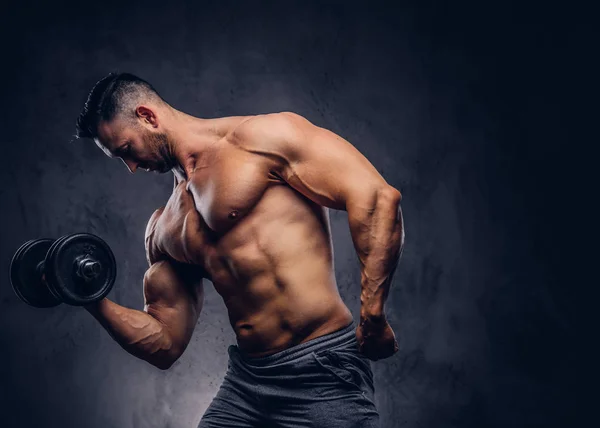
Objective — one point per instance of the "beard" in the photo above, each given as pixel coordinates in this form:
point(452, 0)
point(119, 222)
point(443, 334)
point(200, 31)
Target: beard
point(161, 147)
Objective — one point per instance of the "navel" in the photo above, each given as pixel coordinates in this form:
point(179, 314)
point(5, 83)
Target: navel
point(233, 214)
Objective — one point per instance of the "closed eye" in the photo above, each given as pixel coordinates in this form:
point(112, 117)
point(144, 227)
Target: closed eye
point(125, 149)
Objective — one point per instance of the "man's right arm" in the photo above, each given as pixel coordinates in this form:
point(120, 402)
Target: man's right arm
point(174, 294)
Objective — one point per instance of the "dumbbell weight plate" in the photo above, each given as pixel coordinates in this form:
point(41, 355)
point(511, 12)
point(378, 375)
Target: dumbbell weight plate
point(64, 270)
point(26, 279)
point(50, 284)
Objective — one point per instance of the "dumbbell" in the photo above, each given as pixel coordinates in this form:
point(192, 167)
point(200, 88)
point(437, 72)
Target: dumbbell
point(75, 269)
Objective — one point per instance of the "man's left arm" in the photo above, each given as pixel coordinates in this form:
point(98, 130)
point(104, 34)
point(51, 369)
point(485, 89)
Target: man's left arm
point(332, 172)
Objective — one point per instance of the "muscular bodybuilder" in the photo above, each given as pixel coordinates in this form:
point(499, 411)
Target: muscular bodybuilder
point(249, 213)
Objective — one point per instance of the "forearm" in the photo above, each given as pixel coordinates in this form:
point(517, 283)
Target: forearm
point(137, 332)
point(378, 234)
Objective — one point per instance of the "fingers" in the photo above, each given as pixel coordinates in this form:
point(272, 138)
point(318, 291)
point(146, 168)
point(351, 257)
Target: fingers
point(377, 346)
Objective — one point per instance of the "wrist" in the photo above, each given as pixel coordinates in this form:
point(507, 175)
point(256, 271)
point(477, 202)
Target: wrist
point(94, 307)
point(372, 310)
point(372, 317)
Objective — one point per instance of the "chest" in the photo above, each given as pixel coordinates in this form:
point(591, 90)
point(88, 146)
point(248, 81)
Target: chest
point(226, 190)
point(217, 196)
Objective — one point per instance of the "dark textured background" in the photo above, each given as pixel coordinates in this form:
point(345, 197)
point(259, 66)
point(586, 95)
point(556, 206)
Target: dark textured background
point(462, 107)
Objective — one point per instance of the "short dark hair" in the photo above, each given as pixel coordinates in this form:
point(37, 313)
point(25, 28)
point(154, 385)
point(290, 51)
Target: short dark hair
point(111, 95)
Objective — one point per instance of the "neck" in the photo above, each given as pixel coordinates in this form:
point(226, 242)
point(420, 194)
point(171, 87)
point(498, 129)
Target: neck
point(191, 141)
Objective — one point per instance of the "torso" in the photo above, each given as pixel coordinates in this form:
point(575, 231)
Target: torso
point(265, 247)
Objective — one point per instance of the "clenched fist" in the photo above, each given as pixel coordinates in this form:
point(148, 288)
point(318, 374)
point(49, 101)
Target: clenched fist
point(376, 339)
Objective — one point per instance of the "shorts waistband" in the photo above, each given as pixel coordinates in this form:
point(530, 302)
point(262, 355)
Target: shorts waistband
point(327, 341)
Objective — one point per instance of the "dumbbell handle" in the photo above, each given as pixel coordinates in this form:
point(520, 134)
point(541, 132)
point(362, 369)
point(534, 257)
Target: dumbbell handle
point(87, 268)
point(40, 269)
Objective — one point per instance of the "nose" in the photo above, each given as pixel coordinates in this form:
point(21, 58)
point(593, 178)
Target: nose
point(131, 166)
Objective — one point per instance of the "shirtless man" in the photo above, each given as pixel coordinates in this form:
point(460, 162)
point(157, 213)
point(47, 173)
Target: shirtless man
point(249, 213)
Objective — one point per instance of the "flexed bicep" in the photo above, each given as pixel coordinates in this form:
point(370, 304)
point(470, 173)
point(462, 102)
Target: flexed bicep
point(174, 295)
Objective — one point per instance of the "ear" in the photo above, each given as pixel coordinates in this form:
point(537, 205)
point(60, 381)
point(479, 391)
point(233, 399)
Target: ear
point(147, 115)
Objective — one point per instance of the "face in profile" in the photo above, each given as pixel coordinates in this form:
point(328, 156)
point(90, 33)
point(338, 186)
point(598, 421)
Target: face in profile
point(136, 146)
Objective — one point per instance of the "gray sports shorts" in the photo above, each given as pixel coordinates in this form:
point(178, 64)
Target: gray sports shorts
point(324, 382)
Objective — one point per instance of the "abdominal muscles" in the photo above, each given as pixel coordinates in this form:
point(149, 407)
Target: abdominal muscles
point(274, 270)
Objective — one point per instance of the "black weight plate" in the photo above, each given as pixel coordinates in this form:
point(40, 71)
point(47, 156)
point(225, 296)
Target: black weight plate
point(18, 253)
point(61, 269)
point(26, 279)
point(48, 267)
